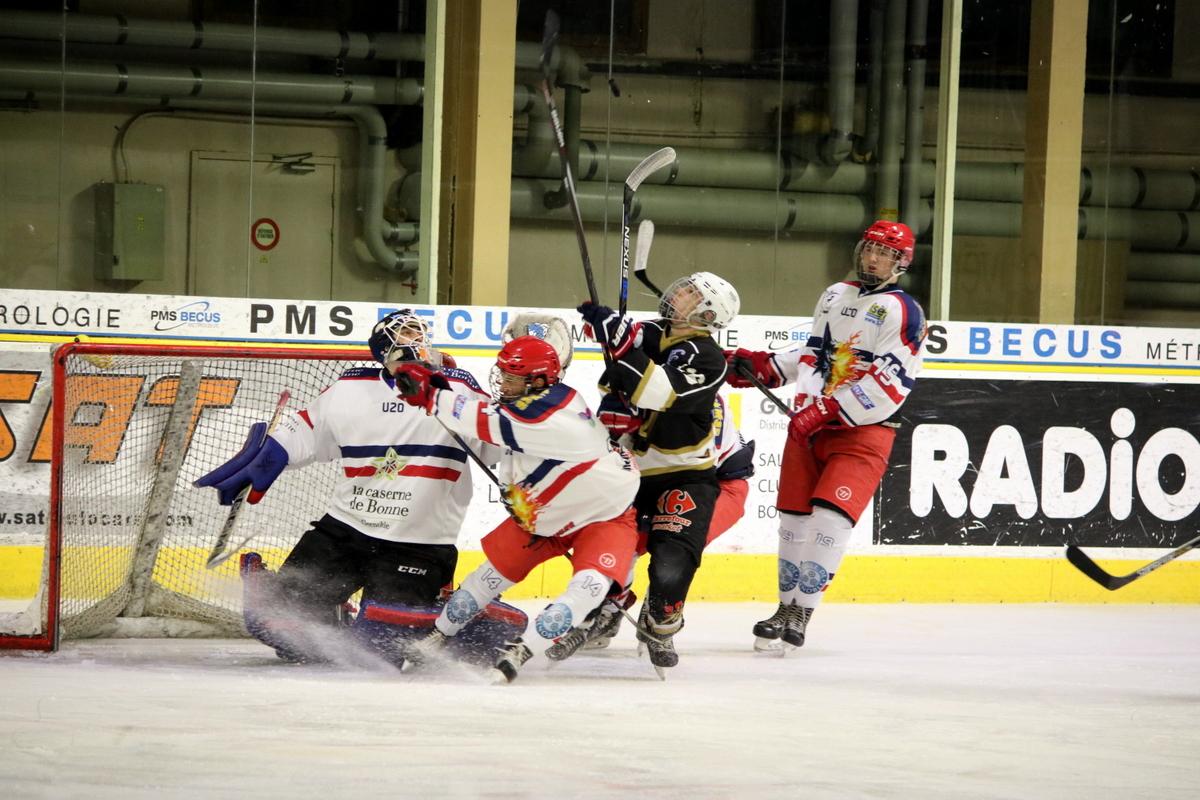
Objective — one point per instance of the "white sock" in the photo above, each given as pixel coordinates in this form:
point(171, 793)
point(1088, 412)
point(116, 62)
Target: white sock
point(810, 549)
point(584, 594)
point(478, 589)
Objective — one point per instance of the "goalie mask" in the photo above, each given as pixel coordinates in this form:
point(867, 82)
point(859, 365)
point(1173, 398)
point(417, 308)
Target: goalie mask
point(400, 336)
point(884, 253)
point(548, 327)
point(525, 365)
point(701, 300)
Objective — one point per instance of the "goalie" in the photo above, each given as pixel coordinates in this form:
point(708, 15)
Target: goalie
point(392, 523)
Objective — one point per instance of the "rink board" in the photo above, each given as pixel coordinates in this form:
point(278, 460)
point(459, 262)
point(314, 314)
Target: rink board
point(899, 552)
point(728, 577)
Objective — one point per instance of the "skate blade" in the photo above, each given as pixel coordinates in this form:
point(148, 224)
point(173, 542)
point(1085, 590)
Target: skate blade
point(597, 644)
point(662, 672)
point(776, 647)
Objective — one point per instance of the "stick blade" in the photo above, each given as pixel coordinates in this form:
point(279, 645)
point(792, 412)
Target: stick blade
point(1082, 562)
point(648, 166)
point(645, 236)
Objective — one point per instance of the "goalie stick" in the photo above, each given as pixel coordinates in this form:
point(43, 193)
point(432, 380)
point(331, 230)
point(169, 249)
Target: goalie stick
point(219, 554)
point(644, 238)
point(1088, 567)
point(647, 167)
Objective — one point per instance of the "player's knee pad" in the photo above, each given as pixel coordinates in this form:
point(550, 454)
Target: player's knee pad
point(671, 571)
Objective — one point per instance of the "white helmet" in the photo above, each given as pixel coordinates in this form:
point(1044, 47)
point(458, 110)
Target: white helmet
point(701, 300)
point(544, 326)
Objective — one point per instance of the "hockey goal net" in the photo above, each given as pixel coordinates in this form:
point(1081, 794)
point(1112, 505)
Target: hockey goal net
point(128, 537)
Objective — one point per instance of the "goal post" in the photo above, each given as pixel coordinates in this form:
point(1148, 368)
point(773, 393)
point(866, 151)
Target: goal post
point(127, 536)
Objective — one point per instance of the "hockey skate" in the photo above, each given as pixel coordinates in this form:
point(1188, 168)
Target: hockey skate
point(568, 644)
point(768, 631)
point(608, 621)
point(426, 650)
point(783, 630)
point(657, 639)
point(510, 659)
point(795, 625)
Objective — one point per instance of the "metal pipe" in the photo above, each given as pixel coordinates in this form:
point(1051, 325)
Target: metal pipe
point(120, 30)
point(887, 181)
point(843, 52)
point(1181, 267)
point(864, 148)
point(1162, 294)
point(217, 83)
point(918, 21)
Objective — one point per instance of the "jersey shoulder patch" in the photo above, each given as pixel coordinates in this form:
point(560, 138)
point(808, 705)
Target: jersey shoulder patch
point(912, 318)
point(536, 407)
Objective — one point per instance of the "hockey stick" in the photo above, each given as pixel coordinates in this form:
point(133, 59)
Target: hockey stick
point(1113, 582)
point(648, 166)
point(549, 39)
point(219, 554)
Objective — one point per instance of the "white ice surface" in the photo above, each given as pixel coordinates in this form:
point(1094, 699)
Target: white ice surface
point(896, 701)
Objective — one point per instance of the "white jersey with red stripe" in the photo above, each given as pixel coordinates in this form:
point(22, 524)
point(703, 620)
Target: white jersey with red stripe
point(561, 471)
point(864, 351)
point(403, 476)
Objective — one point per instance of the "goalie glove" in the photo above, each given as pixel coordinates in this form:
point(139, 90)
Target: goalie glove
point(417, 384)
point(617, 417)
point(758, 363)
point(812, 418)
point(613, 331)
point(256, 465)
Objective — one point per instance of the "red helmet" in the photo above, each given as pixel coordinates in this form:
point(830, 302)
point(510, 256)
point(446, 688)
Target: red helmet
point(885, 236)
point(528, 357)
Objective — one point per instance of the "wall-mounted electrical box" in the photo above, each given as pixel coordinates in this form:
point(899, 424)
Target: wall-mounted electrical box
point(130, 244)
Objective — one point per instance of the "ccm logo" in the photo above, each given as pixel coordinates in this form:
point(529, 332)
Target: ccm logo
point(411, 570)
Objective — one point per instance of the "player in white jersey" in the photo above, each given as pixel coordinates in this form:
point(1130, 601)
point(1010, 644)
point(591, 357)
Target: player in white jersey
point(859, 364)
point(570, 493)
point(393, 520)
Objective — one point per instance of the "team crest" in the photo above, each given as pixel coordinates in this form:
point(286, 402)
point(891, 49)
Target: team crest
point(876, 314)
point(389, 464)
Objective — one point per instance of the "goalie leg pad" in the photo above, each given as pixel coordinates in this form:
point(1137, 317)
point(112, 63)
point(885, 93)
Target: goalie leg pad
point(265, 614)
point(387, 629)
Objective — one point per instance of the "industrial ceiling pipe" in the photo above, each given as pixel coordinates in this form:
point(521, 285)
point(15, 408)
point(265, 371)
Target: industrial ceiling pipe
point(217, 83)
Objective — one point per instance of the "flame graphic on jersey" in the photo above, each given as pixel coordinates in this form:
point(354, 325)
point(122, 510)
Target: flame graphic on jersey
point(844, 365)
point(522, 505)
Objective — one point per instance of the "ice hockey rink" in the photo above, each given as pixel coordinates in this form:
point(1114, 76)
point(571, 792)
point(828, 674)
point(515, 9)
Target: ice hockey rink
point(885, 701)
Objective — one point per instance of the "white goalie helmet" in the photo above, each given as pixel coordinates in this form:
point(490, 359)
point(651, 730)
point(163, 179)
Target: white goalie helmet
point(547, 327)
point(701, 300)
point(400, 336)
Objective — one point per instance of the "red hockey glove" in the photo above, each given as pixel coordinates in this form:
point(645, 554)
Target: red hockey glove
point(615, 332)
point(757, 362)
point(616, 416)
point(811, 419)
point(417, 384)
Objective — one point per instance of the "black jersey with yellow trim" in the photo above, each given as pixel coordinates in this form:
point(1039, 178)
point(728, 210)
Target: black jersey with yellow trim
point(672, 380)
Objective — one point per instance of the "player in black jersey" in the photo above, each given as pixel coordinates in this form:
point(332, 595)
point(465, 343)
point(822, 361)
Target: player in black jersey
point(658, 396)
